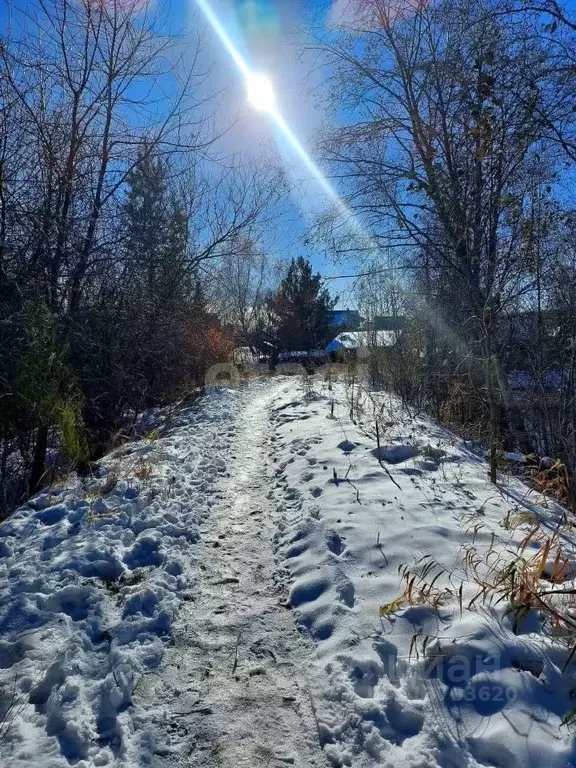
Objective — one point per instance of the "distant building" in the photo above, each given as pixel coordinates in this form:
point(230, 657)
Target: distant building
point(346, 318)
point(350, 341)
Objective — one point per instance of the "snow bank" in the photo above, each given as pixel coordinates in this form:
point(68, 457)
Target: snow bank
point(92, 575)
point(406, 683)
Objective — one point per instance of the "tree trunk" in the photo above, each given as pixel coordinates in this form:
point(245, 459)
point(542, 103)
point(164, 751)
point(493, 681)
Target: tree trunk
point(494, 420)
point(37, 471)
point(514, 415)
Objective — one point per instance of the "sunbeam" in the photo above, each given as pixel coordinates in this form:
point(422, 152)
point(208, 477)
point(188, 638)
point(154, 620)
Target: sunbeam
point(261, 96)
point(225, 39)
point(261, 92)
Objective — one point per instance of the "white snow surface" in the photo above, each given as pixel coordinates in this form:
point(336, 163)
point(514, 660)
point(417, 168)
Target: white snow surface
point(90, 585)
point(478, 694)
point(362, 340)
point(218, 605)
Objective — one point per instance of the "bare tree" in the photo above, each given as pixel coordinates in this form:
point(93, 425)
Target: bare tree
point(241, 282)
point(226, 206)
point(90, 92)
point(445, 128)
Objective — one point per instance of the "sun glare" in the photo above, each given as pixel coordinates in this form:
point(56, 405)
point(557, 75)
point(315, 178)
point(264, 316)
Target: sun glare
point(261, 95)
point(260, 92)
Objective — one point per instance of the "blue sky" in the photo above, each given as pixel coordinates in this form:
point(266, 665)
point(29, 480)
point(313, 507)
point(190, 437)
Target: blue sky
point(271, 36)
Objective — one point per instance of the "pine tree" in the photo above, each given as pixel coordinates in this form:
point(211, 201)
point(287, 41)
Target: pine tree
point(155, 229)
point(300, 309)
point(157, 271)
point(145, 210)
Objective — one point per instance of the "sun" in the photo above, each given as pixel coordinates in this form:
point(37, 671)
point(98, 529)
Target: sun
point(260, 91)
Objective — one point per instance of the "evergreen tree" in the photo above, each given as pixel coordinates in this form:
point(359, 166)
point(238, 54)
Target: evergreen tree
point(300, 309)
point(159, 280)
point(155, 228)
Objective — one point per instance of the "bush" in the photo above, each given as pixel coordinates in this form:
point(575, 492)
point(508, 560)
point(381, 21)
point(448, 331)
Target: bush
point(73, 443)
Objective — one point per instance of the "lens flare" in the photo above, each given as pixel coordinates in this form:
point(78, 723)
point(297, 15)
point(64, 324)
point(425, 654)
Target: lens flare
point(224, 37)
point(261, 95)
point(261, 92)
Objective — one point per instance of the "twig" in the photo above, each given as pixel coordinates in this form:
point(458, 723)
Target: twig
point(347, 479)
point(389, 475)
point(315, 715)
point(380, 548)
point(235, 665)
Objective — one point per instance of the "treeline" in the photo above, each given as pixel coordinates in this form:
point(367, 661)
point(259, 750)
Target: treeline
point(109, 211)
point(458, 152)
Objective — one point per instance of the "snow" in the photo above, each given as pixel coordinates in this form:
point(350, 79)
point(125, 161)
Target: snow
point(362, 339)
point(90, 585)
point(234, 692)
point(230, 593)
point(414, 686)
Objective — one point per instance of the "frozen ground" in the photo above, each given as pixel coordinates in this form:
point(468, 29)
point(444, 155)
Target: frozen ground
point(236, 689)
point(92, 578)
point(414, 687)
point(213, 599)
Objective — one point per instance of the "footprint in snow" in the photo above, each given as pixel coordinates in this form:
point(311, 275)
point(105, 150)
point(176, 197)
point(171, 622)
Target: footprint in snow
point(346, 592)
point(306, 591)
point(406, 720)
point(388, 654)
point(365, 676)
point(296, 551)
point(323, 631)
point(427, 465)
point(411, 471)
point(394, 454)
point(334, 543)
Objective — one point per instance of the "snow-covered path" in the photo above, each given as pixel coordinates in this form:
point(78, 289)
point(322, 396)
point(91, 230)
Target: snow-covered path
point(234, 690)
point(147, 592)
point(226, 594)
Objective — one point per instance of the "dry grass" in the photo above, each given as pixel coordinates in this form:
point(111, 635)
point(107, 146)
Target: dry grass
point(143, 470)
point(525, 581)
point(12, 703)
point(308, 387)
point(553, 481)
point(420, 586)
point(110, 483)
point(523, 575)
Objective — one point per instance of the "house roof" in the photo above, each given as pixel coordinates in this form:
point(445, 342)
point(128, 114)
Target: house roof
point(343, 312)
point(356, 339)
